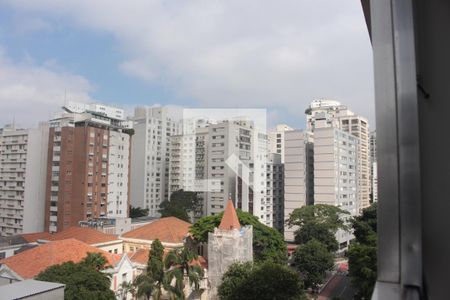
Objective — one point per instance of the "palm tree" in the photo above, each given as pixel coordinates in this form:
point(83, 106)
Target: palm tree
point(178, 263)
point(125, 288)
point(96, 261)
point(144, 286)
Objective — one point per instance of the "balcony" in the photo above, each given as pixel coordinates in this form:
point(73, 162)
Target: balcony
point(56, 158)
point(55, 168)
point(54, 188)
point(53, 218)
point(53, 208)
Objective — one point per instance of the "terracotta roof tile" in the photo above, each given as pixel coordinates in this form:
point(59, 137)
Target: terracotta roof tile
point(140, 256)
point(167, 230)
point(31, 262)
point(87, 235)
point(33, 237)
point(230, 219)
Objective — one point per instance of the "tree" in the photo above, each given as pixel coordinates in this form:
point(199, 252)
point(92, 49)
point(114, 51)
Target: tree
point(82, 281)
point(95, 260)
point(312, 260)
point(266, 281)
point(319, 222)
point(268, 243)
point(362, 252)
point(181, 203)
point(145, 286)
point(318, 231)
point(155, 267)
point(124, 289)
point(136, 212)
point(178, 263)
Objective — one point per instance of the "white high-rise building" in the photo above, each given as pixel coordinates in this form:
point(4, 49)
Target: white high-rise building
point(298, 175)
point(276, 140)
point(223, 159)
point(373, 166)
point(335, 173)
point(150, 153)
point(330, 113)
point(23, 169)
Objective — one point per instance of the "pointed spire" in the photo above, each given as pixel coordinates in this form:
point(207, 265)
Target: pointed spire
point(230, 219)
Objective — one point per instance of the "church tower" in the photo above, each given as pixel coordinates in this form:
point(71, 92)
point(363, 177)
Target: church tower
point(229, 243)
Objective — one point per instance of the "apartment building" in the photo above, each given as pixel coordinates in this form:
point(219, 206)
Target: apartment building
point(298, 175)
point(153, 127)
point(88, 165)
point(276, 140)
point(275, 189)
point(330, 113)
point(223, 159)
point(373, 167)
point(335, 172)
point(188, 166)
point(23, 161)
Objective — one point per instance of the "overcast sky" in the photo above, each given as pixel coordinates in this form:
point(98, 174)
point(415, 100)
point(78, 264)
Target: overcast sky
point(275, 54)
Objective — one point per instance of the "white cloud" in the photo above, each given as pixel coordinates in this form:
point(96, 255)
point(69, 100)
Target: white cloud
point(30, 93)
point(236, 53)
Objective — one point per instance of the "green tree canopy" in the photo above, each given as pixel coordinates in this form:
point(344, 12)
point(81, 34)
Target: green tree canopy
point(136, 212)
point(312, 260)
point(319, 222)
point(362, 252)
point(266, 281)
point(82, 281)
point(181, 203)
point(268, 243)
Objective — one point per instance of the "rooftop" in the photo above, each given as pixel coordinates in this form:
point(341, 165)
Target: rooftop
point(84, 234)
point(31, 262)
point(27, 288)
point(167, 230)
point(230, 219)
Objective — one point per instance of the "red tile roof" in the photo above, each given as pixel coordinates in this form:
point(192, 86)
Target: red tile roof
point(230, 219)
point(33, 237)
point(87, 235)
point(167, 230)
point(31, 262)
point(140, 256)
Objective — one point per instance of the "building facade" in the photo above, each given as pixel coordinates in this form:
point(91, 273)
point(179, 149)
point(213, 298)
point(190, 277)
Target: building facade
point(276, 140)
point(23, 159)
point(330, 113)
point(150, 157)
point(373, 167)
point(298, 175)
point(275, 189)
point(335, 173)
point(88, 165)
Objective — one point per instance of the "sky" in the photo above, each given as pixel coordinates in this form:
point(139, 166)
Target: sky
point(272, 54)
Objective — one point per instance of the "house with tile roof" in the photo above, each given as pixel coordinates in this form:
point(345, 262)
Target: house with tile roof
point(107, 242)
point(11, 245)
point(30, 263)
point(170, 231)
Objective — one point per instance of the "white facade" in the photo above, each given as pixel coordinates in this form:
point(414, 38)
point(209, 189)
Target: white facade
point(330, 113)
point(237, 155)
point(298, 175)
point(118, 166)
point(150, 152)
point(335, 172)
point(373, 167)
point(276, 140)
point(23, 169)
point(35, 179)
